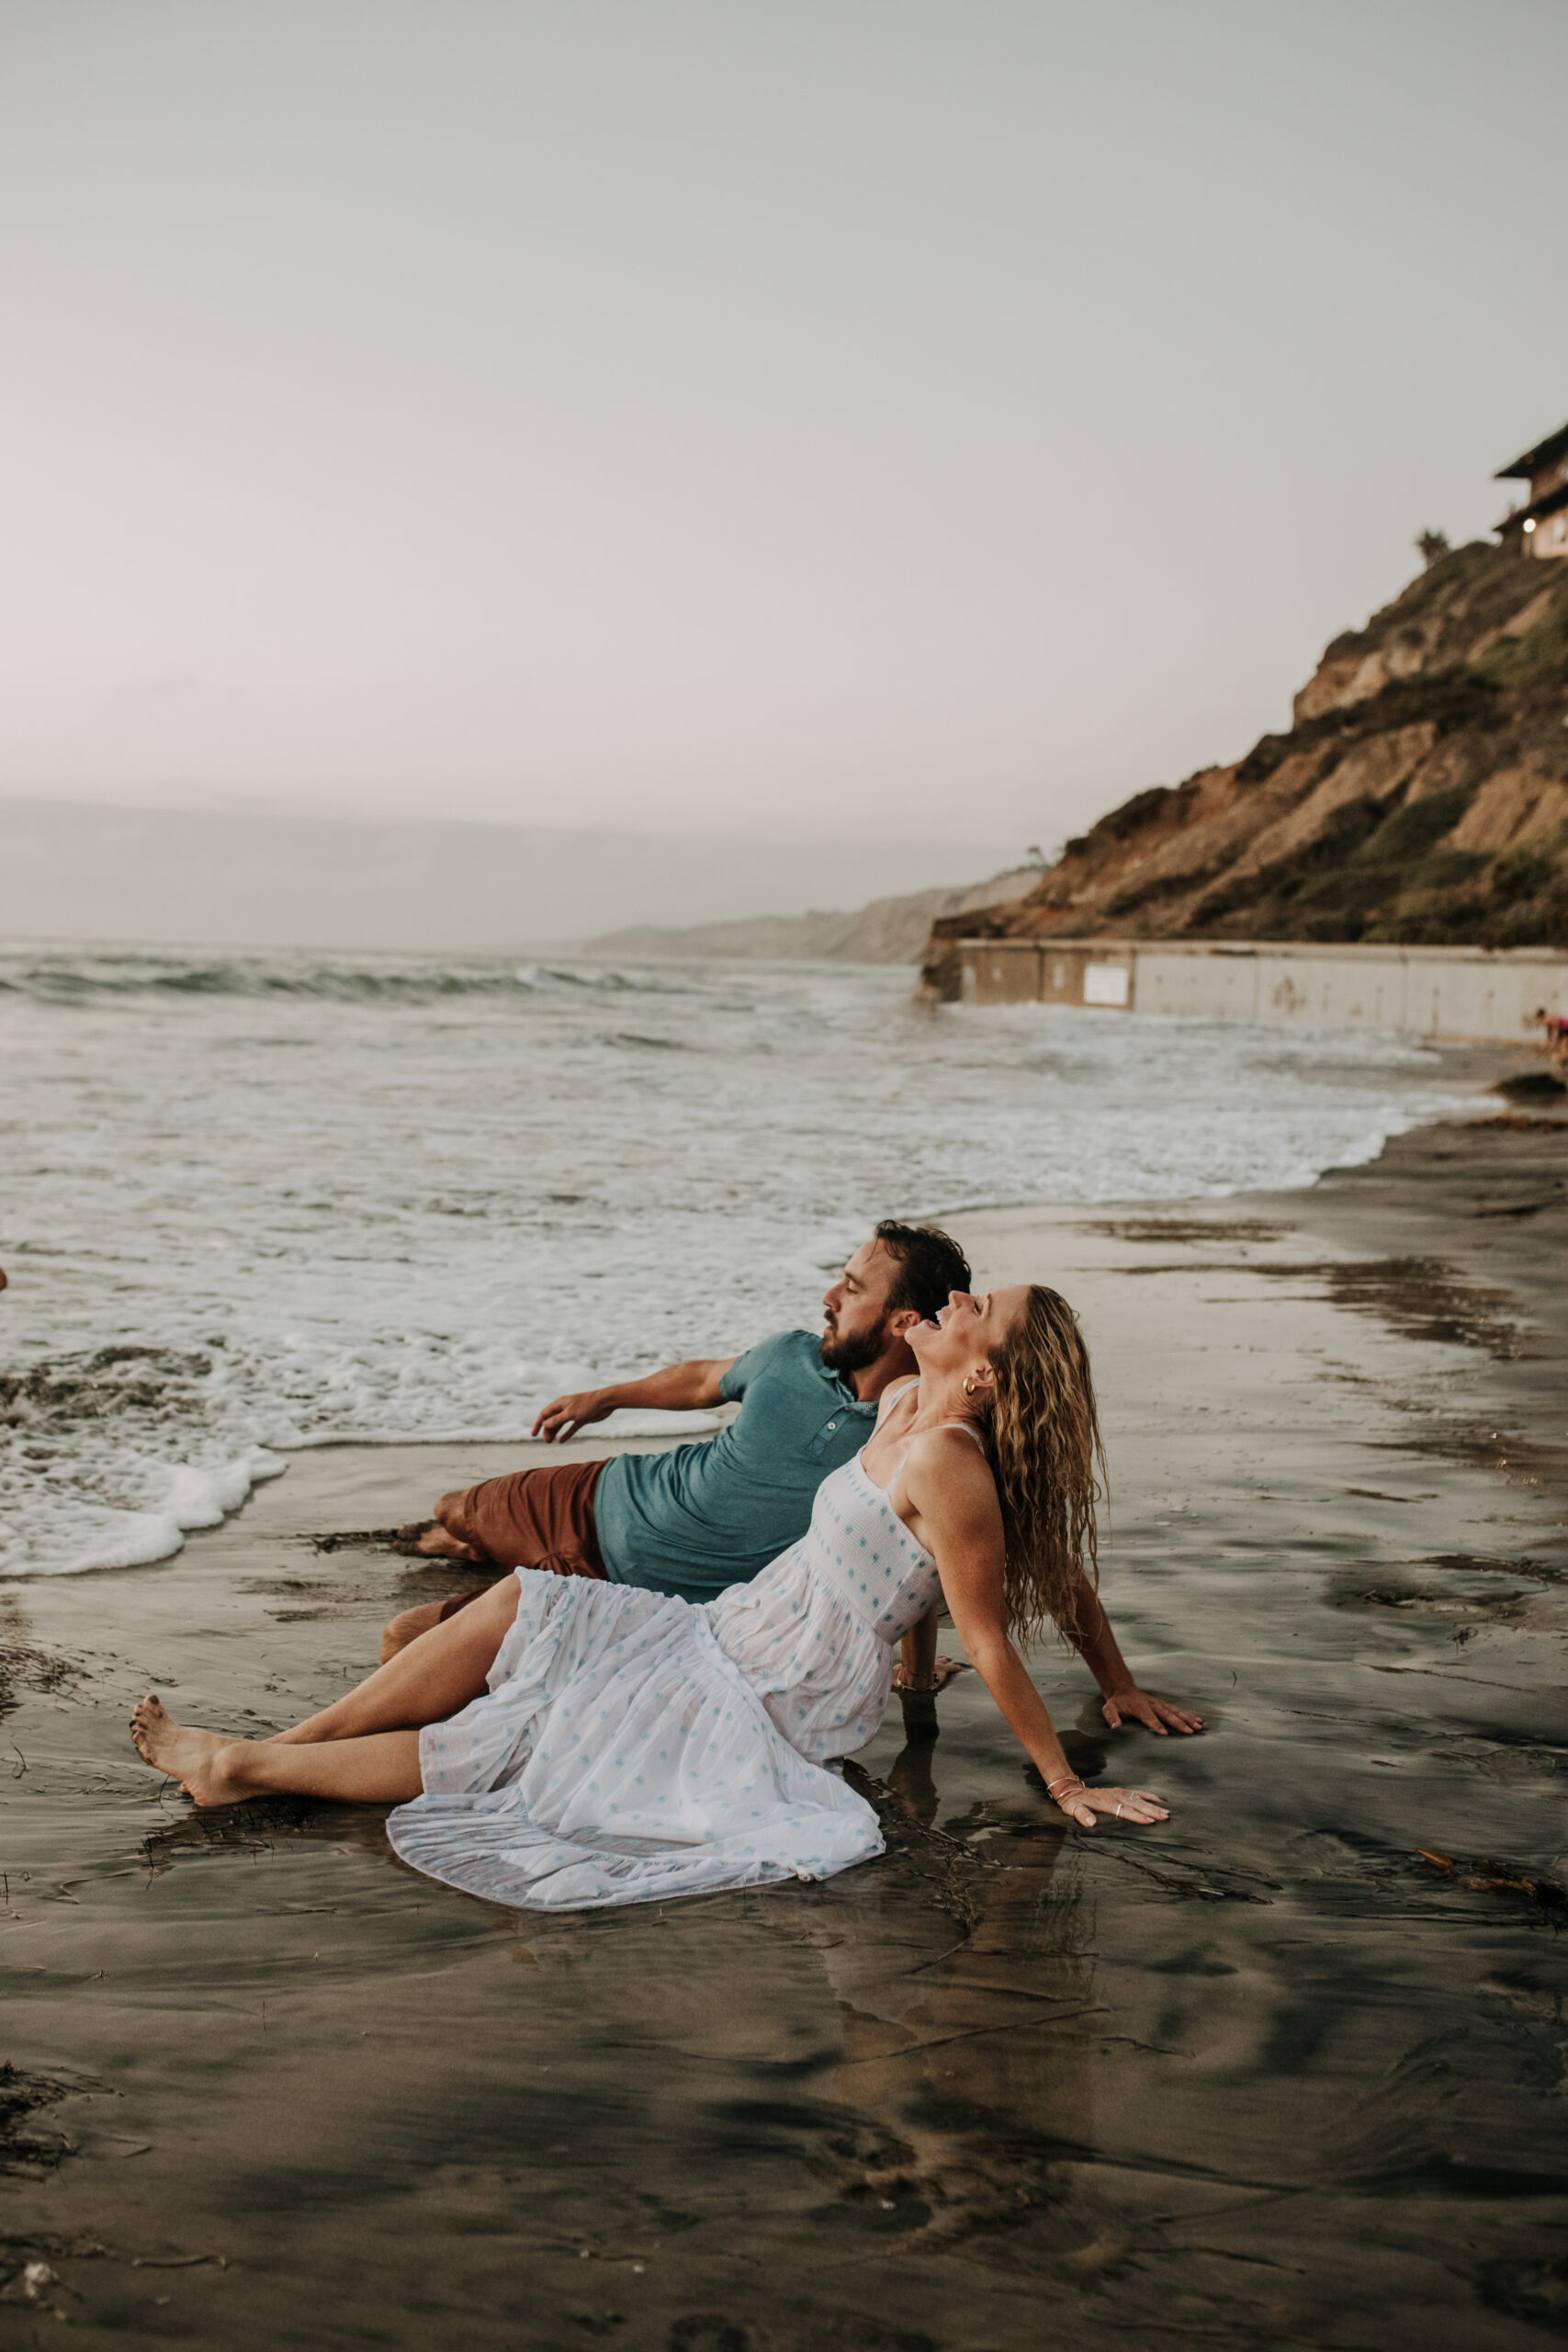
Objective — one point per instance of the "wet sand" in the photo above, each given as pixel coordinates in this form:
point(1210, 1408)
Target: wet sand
point(1288, 2070)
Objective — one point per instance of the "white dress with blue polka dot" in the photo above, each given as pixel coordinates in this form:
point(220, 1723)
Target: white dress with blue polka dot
point(633, 1746)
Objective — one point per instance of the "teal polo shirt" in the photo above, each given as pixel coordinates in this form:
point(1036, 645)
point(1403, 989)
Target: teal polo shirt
point(715, 1513)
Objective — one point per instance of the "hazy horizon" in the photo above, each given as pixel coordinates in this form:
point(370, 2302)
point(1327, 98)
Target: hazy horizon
point(851, 420)
point(90, 872)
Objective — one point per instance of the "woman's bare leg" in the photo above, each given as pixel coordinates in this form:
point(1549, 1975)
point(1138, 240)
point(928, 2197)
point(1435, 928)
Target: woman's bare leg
point(410, 1623)
point(920, 1671)
point(916, 1656)
point(433, 1678)
point(382, 1769)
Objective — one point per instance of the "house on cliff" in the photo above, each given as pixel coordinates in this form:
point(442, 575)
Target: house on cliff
point(1539, 529)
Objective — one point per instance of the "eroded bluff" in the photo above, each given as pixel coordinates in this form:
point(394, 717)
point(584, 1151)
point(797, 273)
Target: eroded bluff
point(1420, 797)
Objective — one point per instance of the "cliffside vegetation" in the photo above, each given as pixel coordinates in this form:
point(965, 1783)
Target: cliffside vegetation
point(1420, 797)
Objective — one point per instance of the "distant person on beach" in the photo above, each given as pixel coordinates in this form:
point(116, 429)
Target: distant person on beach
point(695, 1521)
point(566, 1742)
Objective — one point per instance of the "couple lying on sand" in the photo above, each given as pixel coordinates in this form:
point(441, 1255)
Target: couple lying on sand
point(621, 1720)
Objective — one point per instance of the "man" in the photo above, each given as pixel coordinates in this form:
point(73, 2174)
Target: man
point(716, 1513)
point(711, 1514)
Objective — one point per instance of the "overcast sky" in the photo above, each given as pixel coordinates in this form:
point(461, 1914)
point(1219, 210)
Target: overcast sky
point(819, 416)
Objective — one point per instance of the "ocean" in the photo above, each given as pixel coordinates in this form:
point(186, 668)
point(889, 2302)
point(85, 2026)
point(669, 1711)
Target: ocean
point(254, 1202)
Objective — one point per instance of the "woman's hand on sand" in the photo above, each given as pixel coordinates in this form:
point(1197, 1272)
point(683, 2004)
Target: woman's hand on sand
point(1081, 1804)
point(562, 1415)
point(1132, 1705)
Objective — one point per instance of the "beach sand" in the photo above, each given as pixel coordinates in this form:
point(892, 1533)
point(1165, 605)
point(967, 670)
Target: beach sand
point(1288, 2070)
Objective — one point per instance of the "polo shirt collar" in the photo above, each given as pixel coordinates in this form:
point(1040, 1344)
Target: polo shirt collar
point(846, 1395)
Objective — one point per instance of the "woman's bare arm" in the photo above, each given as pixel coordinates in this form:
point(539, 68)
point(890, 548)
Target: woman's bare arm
point(1096, 1645)
point(951, 1498)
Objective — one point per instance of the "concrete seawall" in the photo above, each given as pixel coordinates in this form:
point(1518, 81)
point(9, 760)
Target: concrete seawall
point(1457, 992)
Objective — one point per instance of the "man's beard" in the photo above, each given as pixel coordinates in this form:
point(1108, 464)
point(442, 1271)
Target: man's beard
point(841, 1355)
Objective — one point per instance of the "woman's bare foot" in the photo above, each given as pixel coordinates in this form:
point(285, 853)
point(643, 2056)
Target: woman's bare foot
point(191, 1757)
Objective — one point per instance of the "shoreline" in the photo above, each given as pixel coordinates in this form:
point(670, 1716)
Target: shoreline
point(1467, 1071)
point(449, 1298)
point(1283, 2070)
point(1471, 1070)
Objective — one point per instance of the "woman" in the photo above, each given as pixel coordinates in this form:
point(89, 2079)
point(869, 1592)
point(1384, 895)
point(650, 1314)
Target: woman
point(563, 1743)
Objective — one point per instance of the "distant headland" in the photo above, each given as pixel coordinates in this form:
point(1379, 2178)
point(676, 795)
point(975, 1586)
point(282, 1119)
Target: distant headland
point(888, 931)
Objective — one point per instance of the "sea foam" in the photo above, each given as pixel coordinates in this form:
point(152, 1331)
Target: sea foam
point(262, 1202)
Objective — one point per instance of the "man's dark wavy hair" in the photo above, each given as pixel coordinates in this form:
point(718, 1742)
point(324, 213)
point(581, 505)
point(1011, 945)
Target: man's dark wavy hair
point(931, 1263)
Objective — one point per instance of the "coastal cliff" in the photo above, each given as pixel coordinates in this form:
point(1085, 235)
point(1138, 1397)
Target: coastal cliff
point(1420, 796)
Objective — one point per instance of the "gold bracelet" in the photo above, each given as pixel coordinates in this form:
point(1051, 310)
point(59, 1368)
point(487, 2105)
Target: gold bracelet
point(1067, 1780)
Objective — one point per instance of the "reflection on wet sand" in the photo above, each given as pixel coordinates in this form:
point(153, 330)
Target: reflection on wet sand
point(965, 2086)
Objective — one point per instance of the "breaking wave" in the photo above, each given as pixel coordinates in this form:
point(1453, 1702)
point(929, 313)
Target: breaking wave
point(69, 977)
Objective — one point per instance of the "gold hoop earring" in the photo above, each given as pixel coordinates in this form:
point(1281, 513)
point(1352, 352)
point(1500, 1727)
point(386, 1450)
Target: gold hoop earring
point(969, 1384)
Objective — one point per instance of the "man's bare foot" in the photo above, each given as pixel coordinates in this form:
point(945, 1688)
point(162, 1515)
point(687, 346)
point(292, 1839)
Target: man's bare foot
point(191, 1757)
point(426, 1539)
point(439, 1543)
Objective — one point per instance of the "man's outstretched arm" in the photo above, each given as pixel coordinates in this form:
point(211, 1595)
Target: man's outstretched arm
point(678, 1388)
point(1096, 1645)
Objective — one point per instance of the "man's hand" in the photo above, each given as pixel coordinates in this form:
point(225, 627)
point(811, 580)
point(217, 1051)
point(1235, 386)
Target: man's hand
point(696, 1386)
point(564, 1415)
point(1131, 1704)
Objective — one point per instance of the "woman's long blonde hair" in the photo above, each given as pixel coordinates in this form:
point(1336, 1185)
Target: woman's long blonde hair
point(1050, 1465)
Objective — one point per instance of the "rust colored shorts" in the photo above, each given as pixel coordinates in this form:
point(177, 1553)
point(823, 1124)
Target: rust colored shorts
point(533, 1519)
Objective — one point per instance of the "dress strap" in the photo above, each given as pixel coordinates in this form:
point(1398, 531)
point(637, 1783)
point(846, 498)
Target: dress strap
point(973, 1432)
